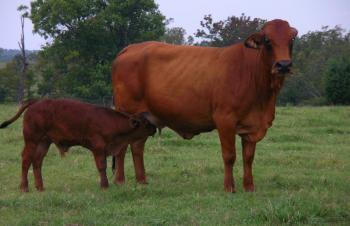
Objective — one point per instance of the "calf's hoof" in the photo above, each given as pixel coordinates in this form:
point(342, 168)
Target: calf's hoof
point(119, 178)
point(141, 179)
point(119, 182)
point(142, 182)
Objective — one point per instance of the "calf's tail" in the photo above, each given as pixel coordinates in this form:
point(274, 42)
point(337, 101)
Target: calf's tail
point(23, 107)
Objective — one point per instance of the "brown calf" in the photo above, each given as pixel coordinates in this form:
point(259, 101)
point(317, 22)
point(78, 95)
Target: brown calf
point(67, 123)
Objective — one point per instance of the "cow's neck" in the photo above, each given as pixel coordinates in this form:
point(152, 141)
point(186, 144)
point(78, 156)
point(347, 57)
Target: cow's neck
point(266, 86)
point(258, 87)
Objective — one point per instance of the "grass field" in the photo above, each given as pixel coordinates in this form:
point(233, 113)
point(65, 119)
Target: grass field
point(2, 65)
point(301, 172)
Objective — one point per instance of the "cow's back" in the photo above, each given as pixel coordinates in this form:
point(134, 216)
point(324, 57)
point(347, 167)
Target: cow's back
point(177, 84)
point(70, 120)
point(57, 118)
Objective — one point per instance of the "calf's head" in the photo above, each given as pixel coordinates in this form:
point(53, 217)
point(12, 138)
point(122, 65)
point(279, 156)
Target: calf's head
point(276, 38)
point(142, 126)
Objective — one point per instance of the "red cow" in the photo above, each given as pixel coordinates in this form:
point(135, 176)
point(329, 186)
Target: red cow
point(194, 89)
point(67, 123)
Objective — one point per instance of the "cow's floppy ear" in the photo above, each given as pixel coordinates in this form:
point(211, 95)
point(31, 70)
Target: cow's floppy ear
point(134, 123)
point(254, 41)
point(294, 32)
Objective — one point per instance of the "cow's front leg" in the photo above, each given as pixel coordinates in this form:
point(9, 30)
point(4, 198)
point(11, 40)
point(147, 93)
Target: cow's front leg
point(101, 164)
point(137, 150)
point(248, 151)
point(226, 128)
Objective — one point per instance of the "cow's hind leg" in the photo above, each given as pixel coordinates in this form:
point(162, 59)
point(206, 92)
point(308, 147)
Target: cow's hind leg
point(118, 159)
point(39, 155)
point(27, 156)
point(226, 128)
point(137, 150)
point(248, 151)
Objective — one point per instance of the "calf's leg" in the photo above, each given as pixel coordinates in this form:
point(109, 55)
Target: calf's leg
point(39, 155)
point(248, 151)
point(27, 156)
point(119, 177)
point(101, 164)
point(137, 150)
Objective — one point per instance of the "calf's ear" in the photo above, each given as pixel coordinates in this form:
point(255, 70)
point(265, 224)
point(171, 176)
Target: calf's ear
point(254, 41)
point(134, 123)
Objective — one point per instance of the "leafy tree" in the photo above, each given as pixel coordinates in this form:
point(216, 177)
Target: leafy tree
point(9, 82)
point(86, 36)
point(23, 58)
point(227, 32)
point(338, 81)
point(175, 35)
point(9, 79)
point(190, 40)
point(311, 54)
point(7, 55)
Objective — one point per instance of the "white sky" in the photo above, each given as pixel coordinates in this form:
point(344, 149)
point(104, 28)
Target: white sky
point(305, 15)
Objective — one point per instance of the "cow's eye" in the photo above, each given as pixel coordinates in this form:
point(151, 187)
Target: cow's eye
point(292, 41)
point(268, 43)
point(291, 44)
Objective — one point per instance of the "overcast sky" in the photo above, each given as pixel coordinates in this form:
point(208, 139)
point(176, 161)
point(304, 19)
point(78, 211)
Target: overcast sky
point(305, 15)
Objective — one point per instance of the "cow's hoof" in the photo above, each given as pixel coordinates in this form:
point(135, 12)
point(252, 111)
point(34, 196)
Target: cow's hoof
point(40, 189)
point(230, 189)
point(249, 188)
point(104, 186)
point(24, 189)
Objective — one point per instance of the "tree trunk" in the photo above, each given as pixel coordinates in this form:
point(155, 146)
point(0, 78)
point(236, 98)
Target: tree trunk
point(24, 65)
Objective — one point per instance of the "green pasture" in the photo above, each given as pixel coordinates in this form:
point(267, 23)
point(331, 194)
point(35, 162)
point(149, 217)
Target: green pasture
point(2, 65)
point(301, 172)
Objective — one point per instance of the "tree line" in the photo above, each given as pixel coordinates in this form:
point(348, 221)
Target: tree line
point(84, 37)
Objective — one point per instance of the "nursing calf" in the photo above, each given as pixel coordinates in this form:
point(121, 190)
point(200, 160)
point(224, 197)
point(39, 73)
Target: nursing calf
point(68, 123)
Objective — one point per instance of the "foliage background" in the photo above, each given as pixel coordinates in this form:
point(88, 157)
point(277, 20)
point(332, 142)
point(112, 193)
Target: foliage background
point(84, 37)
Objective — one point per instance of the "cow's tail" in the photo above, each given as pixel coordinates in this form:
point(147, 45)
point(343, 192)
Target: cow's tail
point(23, 107)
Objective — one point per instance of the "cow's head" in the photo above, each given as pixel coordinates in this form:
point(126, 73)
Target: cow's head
point(142, 125)
point(276, 38)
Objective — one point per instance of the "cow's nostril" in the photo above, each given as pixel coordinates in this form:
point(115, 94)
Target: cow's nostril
point(283, 65)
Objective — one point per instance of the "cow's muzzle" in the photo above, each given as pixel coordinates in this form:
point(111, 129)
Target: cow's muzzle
point(282, 67)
